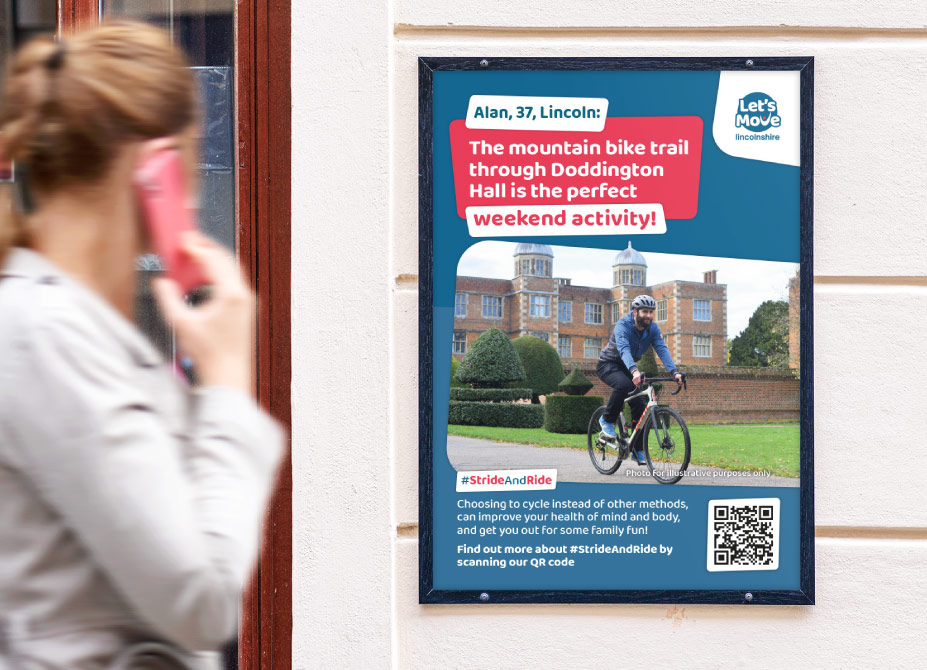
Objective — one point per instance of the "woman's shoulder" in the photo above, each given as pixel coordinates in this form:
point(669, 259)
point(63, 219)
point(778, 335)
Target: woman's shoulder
point(43, 311)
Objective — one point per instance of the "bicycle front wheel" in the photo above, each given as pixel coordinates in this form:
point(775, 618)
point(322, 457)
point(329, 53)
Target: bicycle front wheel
point(667, 445)
point(603, 451)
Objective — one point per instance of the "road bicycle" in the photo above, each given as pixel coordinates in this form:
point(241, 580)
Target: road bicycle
point(666, 438)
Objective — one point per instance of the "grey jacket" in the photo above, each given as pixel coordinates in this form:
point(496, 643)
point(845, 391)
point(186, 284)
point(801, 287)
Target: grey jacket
point(130, 506)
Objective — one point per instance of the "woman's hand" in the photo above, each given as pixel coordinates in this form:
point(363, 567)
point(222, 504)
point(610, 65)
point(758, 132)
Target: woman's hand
point(217, 334)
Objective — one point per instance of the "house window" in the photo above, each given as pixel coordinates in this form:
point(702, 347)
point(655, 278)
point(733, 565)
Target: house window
point(565, 311)
point(616, 282)
point(525, 266)
point(593, 348)
point(460, 305)
point(542, 336)
point(540, 306)
point(564, 346)
point(492, 307)
point(701, 346)
point(616, 311)
point(701, 310)
point(661, 310)
point(593, 312)
point(540, 268)
point(638, 278)
point(460, 342)
point(625, 276)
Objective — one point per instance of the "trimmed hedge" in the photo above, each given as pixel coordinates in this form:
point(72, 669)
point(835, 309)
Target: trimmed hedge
point(490, 395)
point(492, 362)
point(570, 413)
point(575, 383)
point(505, 415)
point(543, 368)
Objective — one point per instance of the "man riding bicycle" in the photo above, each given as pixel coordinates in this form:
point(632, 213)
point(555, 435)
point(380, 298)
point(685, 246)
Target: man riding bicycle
point(633, 335)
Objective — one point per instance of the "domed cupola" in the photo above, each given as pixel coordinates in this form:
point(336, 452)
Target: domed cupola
point(534, 260)
point(629, 268)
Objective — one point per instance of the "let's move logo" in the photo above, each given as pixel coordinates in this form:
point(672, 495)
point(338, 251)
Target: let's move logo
point(757, 112)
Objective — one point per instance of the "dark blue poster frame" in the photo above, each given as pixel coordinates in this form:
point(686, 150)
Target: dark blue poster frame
point(804, 594)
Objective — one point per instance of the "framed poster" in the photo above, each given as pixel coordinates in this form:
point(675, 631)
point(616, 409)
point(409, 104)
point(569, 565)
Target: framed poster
point(602, 230)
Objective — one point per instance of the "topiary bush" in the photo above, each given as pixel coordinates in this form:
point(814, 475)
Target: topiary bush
point(490, 395)
point(648, 364)
point(570, 413)
point(506, 415)
point(575, 383)
point(543, 368)
point(492, 362)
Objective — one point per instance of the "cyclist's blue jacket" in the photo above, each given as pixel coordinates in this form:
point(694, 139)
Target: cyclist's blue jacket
point(628, 344)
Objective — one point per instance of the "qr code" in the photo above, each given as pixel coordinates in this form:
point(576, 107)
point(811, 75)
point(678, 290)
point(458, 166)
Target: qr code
point(743, 534)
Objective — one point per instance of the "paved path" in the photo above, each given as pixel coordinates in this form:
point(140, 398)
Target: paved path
point(573, 465)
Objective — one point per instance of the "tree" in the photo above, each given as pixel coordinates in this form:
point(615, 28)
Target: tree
point(647, 365)
point(543, 368)
point(492, 362)
point(454, 365)
point(765, 341)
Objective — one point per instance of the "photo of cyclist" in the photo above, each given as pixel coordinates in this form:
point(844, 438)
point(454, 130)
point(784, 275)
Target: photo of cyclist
point(633, 335)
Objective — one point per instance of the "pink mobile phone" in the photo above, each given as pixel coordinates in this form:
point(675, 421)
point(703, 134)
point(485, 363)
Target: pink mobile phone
point(162, 194)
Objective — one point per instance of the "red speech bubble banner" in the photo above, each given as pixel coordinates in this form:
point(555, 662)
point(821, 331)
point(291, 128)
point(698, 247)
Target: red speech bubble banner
point(633, 160)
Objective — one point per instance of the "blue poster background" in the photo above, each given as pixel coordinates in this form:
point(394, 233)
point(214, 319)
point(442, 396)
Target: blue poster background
point(746, 209)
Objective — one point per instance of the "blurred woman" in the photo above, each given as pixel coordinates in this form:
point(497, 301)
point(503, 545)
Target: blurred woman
point(130, 505)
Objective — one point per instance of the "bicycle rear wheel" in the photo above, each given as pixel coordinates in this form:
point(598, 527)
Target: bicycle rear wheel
point(603, 451)
point(667, 445)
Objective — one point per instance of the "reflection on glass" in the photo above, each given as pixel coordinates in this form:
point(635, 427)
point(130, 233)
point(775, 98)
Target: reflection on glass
point(204, 28)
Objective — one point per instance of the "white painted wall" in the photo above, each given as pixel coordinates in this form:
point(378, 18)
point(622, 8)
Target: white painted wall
point(355, 260)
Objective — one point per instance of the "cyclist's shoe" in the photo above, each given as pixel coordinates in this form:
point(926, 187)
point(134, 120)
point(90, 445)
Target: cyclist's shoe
point(607, 428)
point(640, 457)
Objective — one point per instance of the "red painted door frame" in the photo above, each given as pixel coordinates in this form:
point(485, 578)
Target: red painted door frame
point(263, 90)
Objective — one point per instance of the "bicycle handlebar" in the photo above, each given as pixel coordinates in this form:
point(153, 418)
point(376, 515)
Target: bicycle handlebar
point(648, 380)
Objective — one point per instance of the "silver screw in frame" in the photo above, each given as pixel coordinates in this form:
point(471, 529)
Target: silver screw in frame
point(484, 63)
point(749, 62)
point(749, 597)
point(484, 597)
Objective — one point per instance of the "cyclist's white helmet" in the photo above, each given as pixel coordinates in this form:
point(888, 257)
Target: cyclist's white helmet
point(643, 301)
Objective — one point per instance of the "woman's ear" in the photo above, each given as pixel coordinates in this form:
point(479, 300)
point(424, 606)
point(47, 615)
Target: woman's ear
point(148, 149)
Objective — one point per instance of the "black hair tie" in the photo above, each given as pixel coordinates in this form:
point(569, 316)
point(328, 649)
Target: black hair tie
point(56, 60)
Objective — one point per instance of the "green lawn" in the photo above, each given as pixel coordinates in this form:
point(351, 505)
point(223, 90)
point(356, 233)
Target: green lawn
point(772, 447)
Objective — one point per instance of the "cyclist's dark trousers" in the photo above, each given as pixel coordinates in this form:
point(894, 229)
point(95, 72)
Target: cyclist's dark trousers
point(616, 375)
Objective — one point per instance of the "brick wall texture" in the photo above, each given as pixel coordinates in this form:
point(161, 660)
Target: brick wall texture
point(724, 395)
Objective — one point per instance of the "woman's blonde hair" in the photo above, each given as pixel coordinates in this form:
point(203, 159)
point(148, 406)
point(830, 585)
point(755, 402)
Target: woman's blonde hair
point(68, 106)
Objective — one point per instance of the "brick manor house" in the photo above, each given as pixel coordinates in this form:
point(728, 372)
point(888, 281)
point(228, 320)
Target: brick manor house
point(578, 320)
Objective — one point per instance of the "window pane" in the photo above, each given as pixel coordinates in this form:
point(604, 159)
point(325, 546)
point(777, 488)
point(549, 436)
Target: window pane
point(460, 342)
point(701, 310)
point(701, 346)
point(593, 313)
point(205, 29)
point(460, 304)
point(492, 307)
point(540, 306)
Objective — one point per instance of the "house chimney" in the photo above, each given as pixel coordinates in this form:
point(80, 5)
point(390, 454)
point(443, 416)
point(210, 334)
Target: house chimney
point(711, 277)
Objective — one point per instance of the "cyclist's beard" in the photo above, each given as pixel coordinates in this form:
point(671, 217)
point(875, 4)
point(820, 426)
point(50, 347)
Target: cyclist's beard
point(643, 322)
